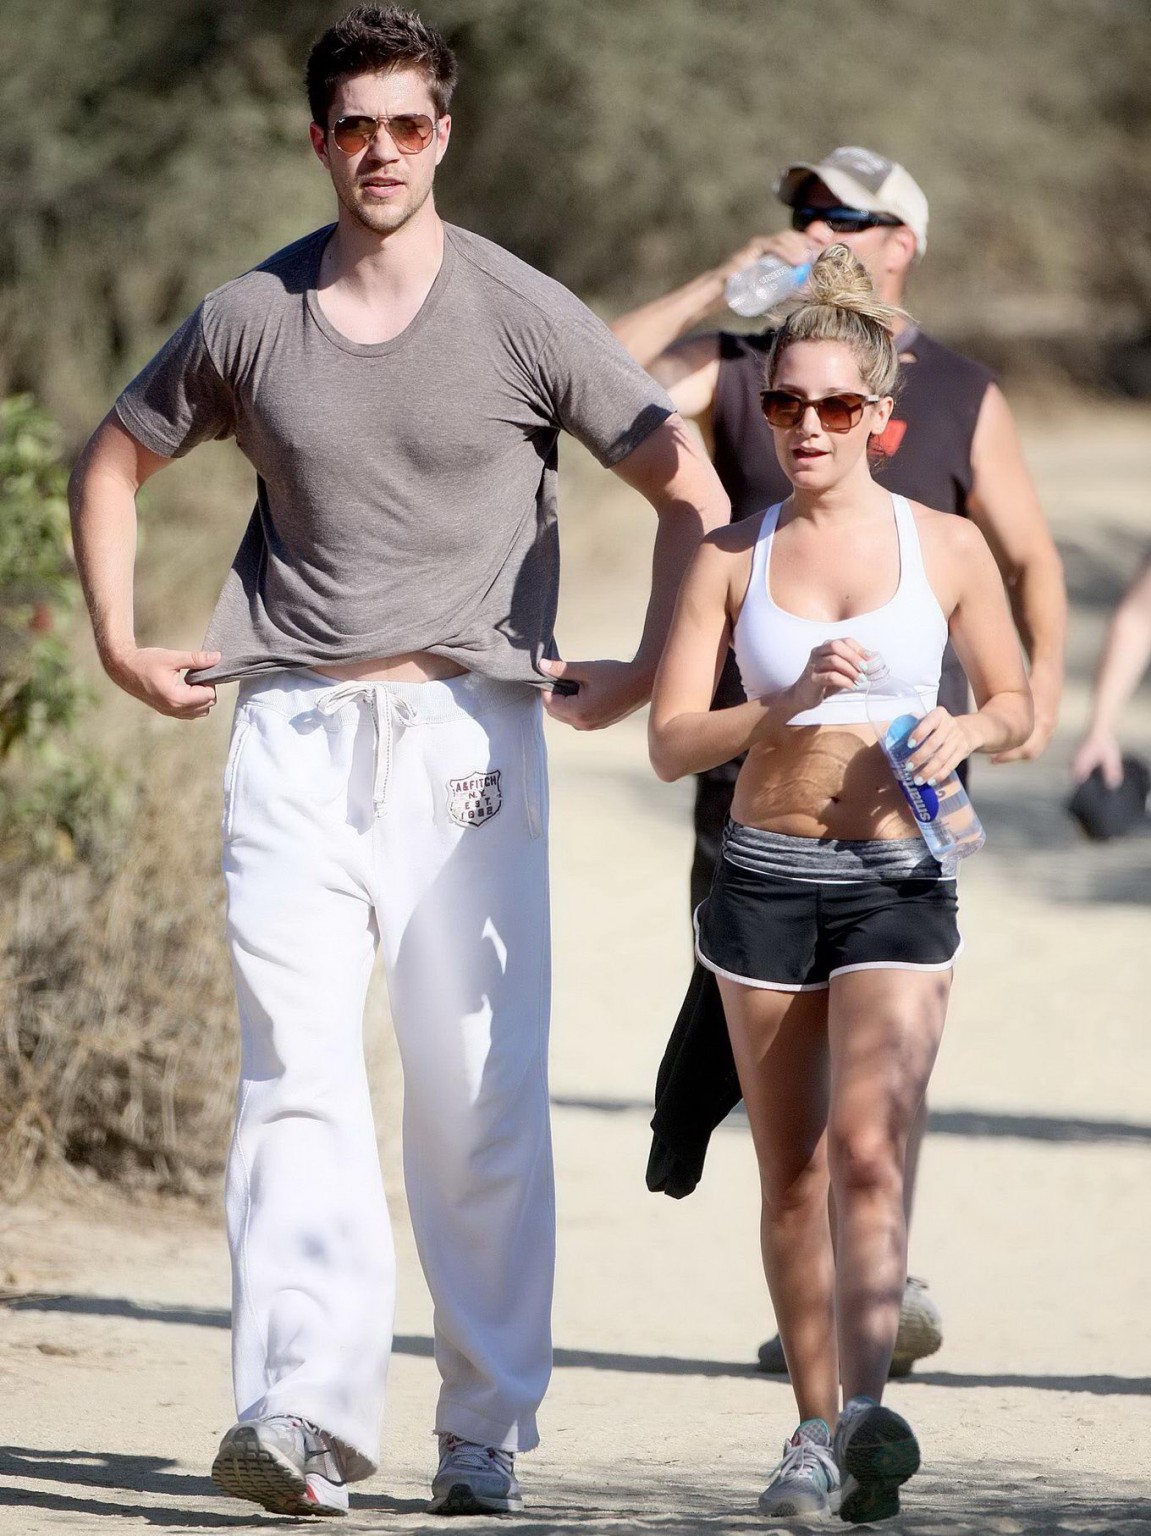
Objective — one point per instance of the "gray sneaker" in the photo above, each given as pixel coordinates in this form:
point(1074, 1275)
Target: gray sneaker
point(806, 1477)
point(877, 1452)
point(474, 1480)
point(284, 1463)
point(920, 1334)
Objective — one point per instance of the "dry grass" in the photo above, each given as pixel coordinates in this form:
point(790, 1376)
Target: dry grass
point(116, 1048)
point(117, 1021)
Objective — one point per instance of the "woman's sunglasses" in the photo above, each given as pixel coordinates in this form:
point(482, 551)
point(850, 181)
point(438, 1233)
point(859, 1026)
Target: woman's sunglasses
point(410, 132)
point(837, 413)
point(842, 221)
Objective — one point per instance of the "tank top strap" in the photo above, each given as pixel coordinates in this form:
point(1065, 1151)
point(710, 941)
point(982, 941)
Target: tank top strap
point(762, 552)
point(911, 566)
point(769, 525)
point(756, 594)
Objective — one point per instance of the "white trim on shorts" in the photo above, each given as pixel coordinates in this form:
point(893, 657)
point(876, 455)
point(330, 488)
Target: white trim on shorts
point(748, 981)
point(814, 986)
point(896, 965)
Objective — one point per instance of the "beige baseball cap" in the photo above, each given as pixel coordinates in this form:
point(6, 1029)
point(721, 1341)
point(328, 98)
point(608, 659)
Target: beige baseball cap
point(862, 179)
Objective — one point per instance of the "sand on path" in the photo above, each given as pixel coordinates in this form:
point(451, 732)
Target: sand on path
point(1035, 1417)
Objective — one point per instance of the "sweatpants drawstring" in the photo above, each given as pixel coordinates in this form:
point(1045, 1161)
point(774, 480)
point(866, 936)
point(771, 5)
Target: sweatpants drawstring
point(388, 712)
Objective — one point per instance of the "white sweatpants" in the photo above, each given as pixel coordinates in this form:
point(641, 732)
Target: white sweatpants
point(410, 817)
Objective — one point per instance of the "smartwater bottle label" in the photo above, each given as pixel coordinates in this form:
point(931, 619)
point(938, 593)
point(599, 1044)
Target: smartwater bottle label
point(922, 799)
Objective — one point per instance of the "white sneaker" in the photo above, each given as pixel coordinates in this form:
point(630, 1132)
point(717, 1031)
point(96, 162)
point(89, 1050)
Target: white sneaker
point(807, 1476)
point(920, 1328)
point(284, 1463)
point(920, 1334)
point(474, 1480)
point(877, 1452)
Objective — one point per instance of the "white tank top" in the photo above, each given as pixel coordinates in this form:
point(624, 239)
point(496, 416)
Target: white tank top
point(772, 646)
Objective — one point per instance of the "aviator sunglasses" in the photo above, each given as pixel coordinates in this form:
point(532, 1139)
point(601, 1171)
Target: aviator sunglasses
point(837, 413)
point(842, 221)
point(410, 132)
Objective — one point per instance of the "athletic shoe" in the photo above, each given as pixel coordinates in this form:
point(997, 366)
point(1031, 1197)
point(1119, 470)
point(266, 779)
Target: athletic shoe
point(876, 1451)
point(920, 1333)
point(474, 1480)
point(920, 1328)
point(805, 1478)
point(284, 1463)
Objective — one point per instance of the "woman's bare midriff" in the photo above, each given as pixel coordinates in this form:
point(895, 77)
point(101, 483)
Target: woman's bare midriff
point(412, 667)
point(821, 781)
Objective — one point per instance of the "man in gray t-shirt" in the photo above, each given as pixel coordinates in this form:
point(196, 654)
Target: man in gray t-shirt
point(399, 386)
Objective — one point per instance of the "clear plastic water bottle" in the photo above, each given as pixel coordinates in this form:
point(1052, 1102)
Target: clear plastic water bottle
point(943, 813)
point(763, 285)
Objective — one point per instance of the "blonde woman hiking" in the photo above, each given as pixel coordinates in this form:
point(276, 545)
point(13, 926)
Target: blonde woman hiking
point(831, 929)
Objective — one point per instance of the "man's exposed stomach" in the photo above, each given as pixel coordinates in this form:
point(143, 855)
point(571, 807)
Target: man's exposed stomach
point(412, 667)
point(821, 781)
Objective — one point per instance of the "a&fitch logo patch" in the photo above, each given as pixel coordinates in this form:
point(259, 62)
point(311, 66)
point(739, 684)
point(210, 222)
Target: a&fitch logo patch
point(474, 799)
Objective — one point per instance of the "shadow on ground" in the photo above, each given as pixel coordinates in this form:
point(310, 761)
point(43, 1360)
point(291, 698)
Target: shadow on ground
point(421, 1346)
point(1009, 1499)
point(978, 1123)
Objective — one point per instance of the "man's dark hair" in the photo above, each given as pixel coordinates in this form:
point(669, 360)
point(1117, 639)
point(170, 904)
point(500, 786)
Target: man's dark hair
point(374, 39)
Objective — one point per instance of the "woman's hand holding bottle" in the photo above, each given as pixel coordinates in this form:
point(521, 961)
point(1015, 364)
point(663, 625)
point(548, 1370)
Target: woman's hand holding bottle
point(940, 742)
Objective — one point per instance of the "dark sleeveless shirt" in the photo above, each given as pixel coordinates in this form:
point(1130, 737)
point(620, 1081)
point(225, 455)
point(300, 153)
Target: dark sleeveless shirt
point(925, 450)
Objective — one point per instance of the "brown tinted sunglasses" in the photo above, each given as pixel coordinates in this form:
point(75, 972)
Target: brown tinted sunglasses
point(410, 132)
point(837, 413)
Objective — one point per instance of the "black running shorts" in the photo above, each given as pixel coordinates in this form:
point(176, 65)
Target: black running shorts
point(792, 932)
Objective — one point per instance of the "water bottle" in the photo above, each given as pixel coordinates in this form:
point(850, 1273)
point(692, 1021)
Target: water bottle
point(943, 813)
point(763, 285)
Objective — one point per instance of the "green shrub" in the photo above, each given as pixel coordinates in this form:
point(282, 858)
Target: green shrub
point(54, 792)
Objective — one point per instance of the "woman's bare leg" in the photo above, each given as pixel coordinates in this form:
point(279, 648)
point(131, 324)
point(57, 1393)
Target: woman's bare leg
point(911, 1159)
point(884, 1028)
point(779, 1040)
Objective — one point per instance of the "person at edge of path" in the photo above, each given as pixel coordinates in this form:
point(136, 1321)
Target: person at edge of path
point(1122, 662)
point(831, 929)
point(398, 385)
point(951, 443)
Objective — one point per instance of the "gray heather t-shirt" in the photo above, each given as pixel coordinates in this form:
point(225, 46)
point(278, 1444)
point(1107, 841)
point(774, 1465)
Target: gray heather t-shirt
point(406, 490)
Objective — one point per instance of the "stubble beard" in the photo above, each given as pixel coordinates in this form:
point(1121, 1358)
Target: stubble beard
point(385, 218)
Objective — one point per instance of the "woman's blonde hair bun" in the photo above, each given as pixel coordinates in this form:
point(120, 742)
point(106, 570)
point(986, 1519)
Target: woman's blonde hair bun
point(840, 305)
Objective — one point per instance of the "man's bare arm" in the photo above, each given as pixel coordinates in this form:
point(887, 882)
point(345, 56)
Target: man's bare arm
point(689, 369)
point(650, 330)
point(671, 471)
point(1005, 507)
point(102, 495)
point(1126, 653)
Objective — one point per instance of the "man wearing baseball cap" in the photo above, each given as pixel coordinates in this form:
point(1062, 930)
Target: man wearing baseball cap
point(862, 182)
point(951, 444)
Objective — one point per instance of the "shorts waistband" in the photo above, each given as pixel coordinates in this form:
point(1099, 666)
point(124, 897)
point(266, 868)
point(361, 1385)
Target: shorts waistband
point(830, 859)
point(297, 692)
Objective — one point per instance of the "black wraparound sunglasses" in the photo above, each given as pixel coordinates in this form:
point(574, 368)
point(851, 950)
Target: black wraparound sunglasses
point(842, 221)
